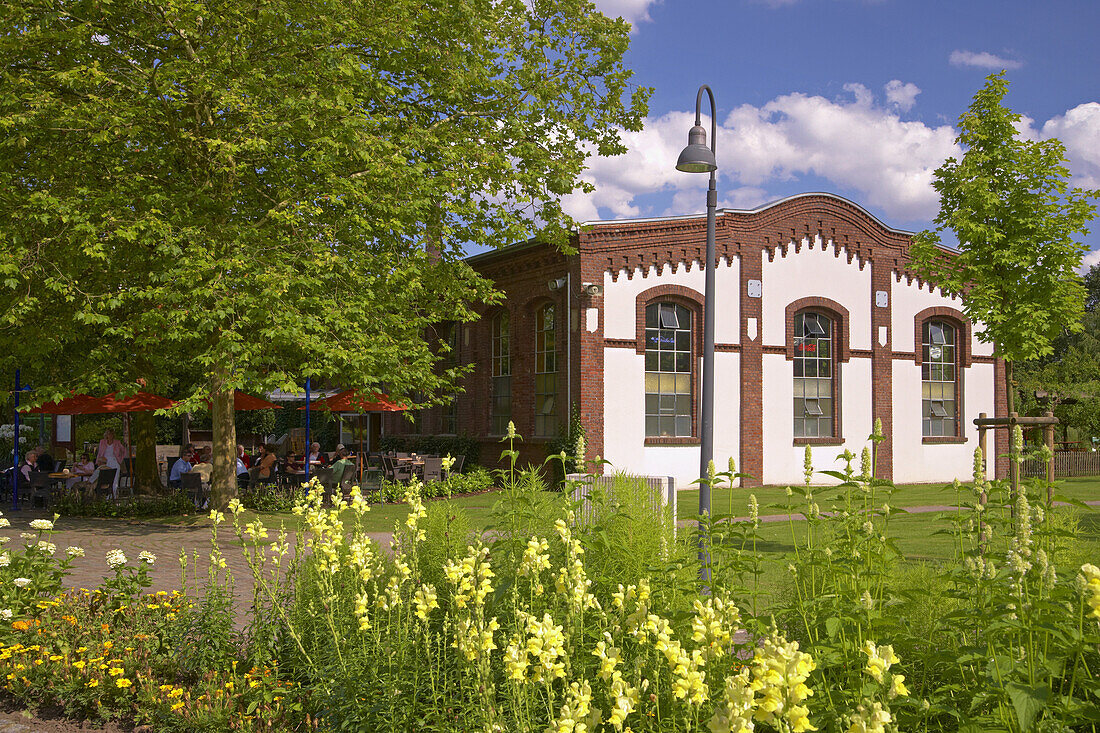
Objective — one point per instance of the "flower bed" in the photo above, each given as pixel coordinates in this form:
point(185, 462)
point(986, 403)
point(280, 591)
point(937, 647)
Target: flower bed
point(546, 624)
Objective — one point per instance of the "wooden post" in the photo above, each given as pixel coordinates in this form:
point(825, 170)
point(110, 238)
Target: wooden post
point(982, 498)
point(1013, 464)
point(1048, 435)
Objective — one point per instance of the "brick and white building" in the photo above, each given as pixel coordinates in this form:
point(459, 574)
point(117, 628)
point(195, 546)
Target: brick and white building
point(821, 327)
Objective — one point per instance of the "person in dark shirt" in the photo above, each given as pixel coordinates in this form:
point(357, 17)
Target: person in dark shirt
point(45, 461)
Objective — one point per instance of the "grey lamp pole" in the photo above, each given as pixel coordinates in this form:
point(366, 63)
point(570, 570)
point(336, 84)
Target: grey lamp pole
point(698, 158)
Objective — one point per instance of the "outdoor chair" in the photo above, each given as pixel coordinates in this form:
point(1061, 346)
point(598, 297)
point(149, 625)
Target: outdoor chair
point(104, 482)
point(41, 489)
point(60, 466)
point(346, 482)
point(456, 467)
point(168, 463)
point(433, 469)
point(192, 484)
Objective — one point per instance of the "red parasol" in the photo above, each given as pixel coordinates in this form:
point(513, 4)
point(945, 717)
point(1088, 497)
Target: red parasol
point(87, 405)
point(243, 401)
point(350, 401)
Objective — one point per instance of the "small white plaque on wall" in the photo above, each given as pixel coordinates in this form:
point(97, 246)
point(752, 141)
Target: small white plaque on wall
point(591, 319)
point(756, 288)
point(882, 298)
point(883, 335)
point(750, 328)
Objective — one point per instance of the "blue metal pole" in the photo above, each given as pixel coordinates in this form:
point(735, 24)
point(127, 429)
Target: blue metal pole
point(15, 450)
point(309, 440)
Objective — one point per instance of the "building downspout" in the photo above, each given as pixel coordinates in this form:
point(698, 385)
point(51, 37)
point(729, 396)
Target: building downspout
point(568, 349)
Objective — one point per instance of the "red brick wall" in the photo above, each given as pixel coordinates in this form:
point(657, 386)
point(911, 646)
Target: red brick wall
point(634, 248)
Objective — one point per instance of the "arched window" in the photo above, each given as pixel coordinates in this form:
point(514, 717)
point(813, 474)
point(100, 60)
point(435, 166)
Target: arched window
point(814, 376)
point(501, 410)
point(546, 372)
point(668, 388)
point(939, 379)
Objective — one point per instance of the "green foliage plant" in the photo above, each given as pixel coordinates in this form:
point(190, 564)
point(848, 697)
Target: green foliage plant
point(1018, 224)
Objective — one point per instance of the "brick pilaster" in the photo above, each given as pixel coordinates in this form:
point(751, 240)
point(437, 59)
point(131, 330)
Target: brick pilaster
point(752, 370)
point(882, 366)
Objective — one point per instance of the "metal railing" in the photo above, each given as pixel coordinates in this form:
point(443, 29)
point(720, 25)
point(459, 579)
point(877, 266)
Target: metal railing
point(1067, 464)
point(661, 494)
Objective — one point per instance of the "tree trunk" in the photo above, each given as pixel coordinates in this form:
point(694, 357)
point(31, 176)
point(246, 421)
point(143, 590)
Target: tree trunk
point(223, 480)
point(1013, 466)
point(146, 470)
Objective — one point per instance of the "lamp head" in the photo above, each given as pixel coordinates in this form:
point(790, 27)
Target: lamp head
point(696, 157)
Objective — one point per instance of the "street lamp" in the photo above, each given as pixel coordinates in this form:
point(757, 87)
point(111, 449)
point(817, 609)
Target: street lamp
point(698, 158)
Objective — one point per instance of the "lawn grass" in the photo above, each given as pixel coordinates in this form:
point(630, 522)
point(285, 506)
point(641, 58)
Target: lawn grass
point(915, 533)
point(773, 498)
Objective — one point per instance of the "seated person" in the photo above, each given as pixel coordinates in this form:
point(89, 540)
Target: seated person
point(243, 476)
point(205, 466)
point(30, 463)
point(86, 488)
point(266, 472)
point(45, 461)
point(81, 470)
point(244, 458)
point(341, 467)
point(180, 466)
point(316, 457)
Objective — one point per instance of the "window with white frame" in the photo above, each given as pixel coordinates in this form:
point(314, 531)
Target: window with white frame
point(814, 376)
point(939, 380)
point(668, 382)
point(546, 373)
point(501, 408)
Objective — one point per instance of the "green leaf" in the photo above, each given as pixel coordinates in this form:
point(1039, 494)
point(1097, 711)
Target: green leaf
point(1027, 701)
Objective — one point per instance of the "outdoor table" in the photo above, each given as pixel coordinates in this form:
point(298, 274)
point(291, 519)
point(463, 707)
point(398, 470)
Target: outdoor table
point(59, 478)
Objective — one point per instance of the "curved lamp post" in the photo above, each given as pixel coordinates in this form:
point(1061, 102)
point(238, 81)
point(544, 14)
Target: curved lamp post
point(697, 157)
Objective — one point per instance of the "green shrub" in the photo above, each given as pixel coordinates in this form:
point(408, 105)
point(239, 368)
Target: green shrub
point(270, 497)
point(174, 502)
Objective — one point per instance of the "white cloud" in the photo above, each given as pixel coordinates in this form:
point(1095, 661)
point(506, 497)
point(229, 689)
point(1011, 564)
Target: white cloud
point(1090, 259)
point(632, 11)
point(858, 146)
point(1079, 129)
point(902, 95)
point(982, 60)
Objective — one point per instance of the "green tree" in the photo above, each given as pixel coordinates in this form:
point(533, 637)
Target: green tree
point(239, 193)
point(1018, 224)
point(1070, 375)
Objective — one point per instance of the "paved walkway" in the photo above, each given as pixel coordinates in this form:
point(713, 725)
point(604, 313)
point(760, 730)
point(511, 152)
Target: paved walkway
point(99, 536)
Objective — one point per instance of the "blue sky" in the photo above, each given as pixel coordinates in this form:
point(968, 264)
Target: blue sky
point(856, 97)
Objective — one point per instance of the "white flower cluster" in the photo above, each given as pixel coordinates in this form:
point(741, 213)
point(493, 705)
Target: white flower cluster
point(116, 559)
point(42, 525)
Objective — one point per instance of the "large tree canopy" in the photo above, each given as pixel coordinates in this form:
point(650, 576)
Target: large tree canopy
point(1019, 225)
point(246, 193)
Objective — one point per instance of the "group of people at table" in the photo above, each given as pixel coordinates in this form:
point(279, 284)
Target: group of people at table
point(83, 475)
point(263, 466)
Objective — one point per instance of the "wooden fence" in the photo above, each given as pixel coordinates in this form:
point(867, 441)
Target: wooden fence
point(1067, 464)
point(662, 492)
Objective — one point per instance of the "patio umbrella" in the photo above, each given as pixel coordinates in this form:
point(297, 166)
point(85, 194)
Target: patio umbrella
point(350, 400)
point(83, 404)
point(245, 401)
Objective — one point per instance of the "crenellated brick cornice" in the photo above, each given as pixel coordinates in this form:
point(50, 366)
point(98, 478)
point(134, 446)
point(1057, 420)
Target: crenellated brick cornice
point(638, 247)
